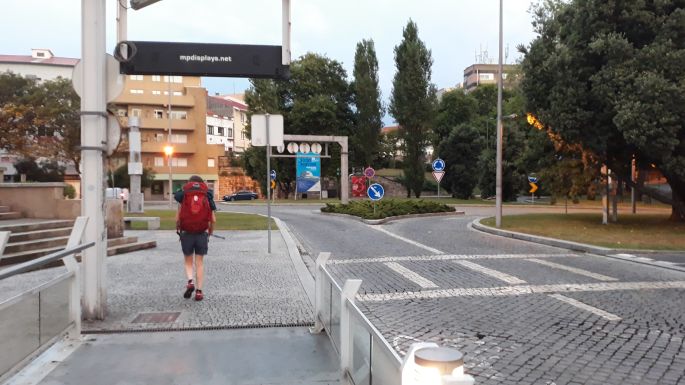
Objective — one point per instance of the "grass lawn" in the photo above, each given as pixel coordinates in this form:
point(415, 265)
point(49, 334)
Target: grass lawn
point(641, 231)
point(224, 221)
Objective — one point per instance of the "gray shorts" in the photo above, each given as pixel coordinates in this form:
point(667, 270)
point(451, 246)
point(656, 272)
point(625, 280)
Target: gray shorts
point(194, 243)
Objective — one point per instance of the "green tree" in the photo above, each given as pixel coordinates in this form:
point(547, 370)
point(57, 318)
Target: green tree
point(121, 178)
point(43, 171)
point(608, 76)
point(367, 99)
point(412, 103)
point(316, 100)
point(455, 108)
point(459, 150)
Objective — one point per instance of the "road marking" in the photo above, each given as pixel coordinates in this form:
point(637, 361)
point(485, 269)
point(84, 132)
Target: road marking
point(446, 257)
point(591, 309)
point(586, 273)
point(491, 272)
point(521, 290)
point(412, 276)
point(417, 244)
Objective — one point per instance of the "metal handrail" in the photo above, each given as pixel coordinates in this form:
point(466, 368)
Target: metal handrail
point(30, 265)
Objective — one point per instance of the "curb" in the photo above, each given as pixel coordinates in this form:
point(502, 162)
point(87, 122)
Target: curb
point(574, 246)
point(306, 279)
point(388, 219)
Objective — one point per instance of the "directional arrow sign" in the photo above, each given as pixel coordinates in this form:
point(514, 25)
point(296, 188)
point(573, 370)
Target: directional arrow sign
point(438, 175)
point(375, 192)
point(273, 174)
point(533, 187)
point(273, 184)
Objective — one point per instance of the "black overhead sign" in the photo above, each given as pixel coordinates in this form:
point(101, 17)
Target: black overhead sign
point(198, 59)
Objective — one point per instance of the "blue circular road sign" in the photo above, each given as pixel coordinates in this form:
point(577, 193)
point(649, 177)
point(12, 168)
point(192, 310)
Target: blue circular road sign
point(532, 179)
point(375, 192)
point(438, 165)
point(273, 174)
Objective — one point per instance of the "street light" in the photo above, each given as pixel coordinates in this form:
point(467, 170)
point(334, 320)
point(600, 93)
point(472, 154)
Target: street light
point(169, 151)
point(498, 176)
point(138, 4)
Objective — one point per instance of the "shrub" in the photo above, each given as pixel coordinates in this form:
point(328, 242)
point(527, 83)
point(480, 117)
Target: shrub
point(386, 208)
point(69, 192)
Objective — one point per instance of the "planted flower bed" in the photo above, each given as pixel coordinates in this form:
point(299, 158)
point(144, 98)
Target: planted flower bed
point(387, 208)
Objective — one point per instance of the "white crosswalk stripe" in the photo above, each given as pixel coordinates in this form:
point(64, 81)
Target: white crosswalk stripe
point(574, 270)
point(446, 257)
point(586, 307)
point(411, 275)
point(491, 272)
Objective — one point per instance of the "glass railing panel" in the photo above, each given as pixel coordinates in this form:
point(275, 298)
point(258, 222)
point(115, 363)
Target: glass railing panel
point(360, 370)
point(385, 368)
point(19, 331)
point(54, 310)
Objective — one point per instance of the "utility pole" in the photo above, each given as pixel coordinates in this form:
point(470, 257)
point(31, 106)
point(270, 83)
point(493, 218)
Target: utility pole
point(498, 176)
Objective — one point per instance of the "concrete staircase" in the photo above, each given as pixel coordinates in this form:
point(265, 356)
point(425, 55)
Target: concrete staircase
point(33, 238)
point(6, 213)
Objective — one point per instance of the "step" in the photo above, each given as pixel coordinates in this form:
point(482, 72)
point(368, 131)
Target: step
point(10, 215)
point(131, 247)
point(40, 234)
point(23, 256)
point(36, 244)
point(121, 241)
point(33, 225)
point(4, 209)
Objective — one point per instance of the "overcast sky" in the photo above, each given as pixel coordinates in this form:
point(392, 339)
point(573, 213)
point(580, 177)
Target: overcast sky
point(454, 30)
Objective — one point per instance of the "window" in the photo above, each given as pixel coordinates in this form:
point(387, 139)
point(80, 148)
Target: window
point(179, 138)
point(159, 138)
point(486, 76)
point(159, 161)
point(179, 162)
point(210, 130)
point(122, 112)
point(135, 112)
point(178, 93)
point(242, 134)
point(242, 117)
point(182, 115)
point(158, 114)
point(156, 92)
point(137, 92)
point(40, 54)
point(229, 132)
point(220, 131)
point(210, 162)
point(156, 78)
point(174, 79)
point(135, 77)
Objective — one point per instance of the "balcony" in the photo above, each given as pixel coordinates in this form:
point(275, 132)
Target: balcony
point(163, 124)
point(156, 100)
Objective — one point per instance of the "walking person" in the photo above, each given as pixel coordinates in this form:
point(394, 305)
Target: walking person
point(195, 220)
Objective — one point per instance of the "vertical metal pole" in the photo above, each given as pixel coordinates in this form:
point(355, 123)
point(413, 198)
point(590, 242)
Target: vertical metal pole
point(285, 51)
point(498, 176)
point(268, 180)
point(122, 21)
point(344, 182)
point(93, 129)
point(171, 186)
point(605, 195)
point(633, 177)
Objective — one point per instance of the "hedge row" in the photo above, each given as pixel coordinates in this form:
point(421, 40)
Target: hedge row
point(386, 208)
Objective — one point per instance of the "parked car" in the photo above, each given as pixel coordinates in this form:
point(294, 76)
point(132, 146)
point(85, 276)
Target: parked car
point(240, 196)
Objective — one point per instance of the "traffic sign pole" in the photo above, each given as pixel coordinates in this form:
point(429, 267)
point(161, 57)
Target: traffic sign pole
point(268, 190)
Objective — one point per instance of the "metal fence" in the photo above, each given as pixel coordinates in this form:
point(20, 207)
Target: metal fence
point(366, 358)
point(35, 318)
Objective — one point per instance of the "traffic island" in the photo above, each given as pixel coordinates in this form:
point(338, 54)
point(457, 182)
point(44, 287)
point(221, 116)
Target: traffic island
point(379, 212)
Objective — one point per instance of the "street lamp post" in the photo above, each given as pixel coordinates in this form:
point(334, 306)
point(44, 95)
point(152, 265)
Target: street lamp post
point(169, 151)
point(498, 177)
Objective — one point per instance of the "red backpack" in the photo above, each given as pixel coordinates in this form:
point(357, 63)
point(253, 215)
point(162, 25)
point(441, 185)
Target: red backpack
point(195, 211)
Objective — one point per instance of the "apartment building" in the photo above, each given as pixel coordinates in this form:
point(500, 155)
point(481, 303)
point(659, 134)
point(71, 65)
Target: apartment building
point(233, 107)
point(172, 111)
point(477, 74)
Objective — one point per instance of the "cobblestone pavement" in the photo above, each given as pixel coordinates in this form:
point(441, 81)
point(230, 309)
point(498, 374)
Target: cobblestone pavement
point(524, 313)
point(244, 285)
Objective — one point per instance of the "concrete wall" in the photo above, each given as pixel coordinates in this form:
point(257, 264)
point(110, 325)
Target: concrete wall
point(38, 200)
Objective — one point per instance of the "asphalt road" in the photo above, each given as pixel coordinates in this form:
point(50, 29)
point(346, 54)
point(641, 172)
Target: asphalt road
point(521, 312)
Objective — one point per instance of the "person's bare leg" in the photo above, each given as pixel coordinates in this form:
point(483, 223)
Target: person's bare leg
point(189, 266)
point(199, 270)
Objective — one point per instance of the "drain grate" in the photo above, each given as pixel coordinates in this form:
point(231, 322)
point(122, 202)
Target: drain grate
point(155, 318)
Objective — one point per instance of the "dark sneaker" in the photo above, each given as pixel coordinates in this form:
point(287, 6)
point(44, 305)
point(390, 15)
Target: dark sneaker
point(189, 290)
point(198, 295)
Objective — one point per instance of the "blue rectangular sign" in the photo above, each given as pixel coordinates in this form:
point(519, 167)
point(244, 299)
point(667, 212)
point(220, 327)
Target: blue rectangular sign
point(308, 169)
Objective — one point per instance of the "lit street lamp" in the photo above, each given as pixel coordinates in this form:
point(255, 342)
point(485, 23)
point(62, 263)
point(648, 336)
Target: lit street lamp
point(169, 151)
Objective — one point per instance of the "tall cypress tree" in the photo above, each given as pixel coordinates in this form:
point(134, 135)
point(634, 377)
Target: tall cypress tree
point(412, 103)
point(367, 95)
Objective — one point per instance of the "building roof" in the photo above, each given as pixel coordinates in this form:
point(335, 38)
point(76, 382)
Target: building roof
point(388, 129)
point(28, 59)
point(229, 102)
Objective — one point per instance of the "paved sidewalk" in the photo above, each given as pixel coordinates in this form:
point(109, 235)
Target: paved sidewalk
point(244, 285)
